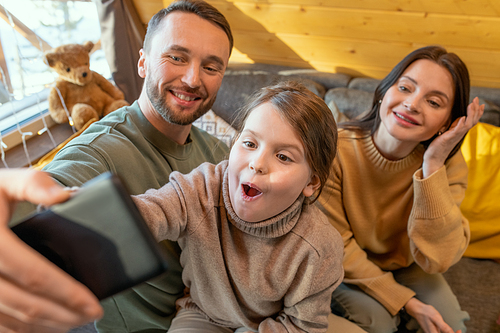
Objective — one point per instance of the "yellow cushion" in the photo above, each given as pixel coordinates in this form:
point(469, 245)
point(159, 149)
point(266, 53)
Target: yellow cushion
point(47, 158)
point(481, 205)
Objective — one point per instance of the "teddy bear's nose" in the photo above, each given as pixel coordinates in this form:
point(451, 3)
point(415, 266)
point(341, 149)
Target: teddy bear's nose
point(84, 74)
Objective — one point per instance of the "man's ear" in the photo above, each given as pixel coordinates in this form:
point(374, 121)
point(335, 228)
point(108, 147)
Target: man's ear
point(313, 185)
point(141, 65)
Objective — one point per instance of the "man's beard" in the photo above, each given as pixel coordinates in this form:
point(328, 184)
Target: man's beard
point(159, 102)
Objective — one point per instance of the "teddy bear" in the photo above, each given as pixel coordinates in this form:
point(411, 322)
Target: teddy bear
point(85, 93)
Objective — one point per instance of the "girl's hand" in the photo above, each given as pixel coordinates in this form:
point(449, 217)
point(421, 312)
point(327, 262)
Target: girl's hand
point(441, 147)
point(36, 296)
point(428, 317)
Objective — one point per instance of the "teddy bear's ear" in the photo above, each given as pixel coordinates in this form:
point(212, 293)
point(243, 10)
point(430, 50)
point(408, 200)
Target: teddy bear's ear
point(50, 58)
point(88, 46)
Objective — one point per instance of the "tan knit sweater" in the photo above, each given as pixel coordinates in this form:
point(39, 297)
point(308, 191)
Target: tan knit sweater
point(389, 217)
point(272, 276)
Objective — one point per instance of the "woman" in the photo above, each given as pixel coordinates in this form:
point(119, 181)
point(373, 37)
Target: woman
point(394, 194)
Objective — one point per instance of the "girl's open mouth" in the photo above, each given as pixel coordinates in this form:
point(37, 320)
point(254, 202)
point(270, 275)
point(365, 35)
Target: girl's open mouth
point(250, 191)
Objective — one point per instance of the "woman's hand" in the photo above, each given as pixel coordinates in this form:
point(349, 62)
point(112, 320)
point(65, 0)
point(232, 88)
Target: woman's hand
point(428, 317)
point(441, 147)
point(36, 296)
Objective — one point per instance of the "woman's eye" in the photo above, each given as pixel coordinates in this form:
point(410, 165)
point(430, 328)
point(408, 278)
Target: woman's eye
point(283, 158)
point(403, 88)
point(434, 104)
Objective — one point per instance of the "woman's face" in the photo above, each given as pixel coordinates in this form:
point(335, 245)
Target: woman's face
point(417, 106)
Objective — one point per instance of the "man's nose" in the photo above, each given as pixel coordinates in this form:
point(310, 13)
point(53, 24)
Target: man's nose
point(192, 76)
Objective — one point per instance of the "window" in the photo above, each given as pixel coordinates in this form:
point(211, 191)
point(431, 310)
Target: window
point(28, 28)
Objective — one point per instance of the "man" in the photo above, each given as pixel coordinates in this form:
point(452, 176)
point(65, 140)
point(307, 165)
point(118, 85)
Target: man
point(185, 54)
point(186, 51)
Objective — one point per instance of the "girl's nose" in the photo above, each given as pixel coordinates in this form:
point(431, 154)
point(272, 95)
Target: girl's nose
point(258, 165)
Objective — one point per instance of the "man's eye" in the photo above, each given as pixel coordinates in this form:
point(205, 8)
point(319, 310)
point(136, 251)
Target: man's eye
point(283, 158)
point(175, 58)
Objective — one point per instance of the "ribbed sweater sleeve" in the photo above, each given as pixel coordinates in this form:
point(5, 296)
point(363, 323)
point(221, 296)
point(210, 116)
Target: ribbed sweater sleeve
point(177, 207)
point(439, 233)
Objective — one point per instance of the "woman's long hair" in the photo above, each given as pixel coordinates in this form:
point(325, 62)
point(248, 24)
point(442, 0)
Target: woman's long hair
point(459, 73)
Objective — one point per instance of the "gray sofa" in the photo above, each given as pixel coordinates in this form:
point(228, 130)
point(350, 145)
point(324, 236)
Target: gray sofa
point(475, 282)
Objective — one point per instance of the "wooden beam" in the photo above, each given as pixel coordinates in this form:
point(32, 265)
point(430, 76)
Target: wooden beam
point(5, 71)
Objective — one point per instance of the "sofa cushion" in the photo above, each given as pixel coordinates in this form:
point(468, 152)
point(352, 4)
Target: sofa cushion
point(491, 113)
point(216, 126)
point(328, 80)
point(237, 86)
point(490, 94)
point(350, 102)
point(364, 83)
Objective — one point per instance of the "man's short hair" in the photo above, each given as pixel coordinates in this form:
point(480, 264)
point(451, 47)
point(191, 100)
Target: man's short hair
point(198, 7)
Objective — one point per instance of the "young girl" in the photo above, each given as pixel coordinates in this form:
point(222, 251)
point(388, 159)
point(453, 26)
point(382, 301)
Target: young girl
point(394, 194)
point(256, 254)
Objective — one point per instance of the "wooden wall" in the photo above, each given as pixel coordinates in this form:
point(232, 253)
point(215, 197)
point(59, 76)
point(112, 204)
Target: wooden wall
point(359, 37)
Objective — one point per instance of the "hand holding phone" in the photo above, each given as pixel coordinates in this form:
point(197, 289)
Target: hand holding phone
point(36, 296)
point(98, 237)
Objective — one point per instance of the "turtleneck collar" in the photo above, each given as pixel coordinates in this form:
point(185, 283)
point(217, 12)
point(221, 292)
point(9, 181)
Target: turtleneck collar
point(274, 227)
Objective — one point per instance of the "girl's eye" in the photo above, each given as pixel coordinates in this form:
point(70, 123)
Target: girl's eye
point(283, 157)
point(249, 144)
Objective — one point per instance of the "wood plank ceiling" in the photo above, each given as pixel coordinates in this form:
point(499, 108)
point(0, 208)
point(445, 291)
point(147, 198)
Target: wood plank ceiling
point(359, 37)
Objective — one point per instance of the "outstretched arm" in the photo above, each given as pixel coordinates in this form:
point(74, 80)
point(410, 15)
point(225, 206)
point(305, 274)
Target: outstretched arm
point(36, 295)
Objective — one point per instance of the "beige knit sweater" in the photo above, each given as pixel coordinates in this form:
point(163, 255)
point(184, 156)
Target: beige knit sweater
point(389, 217)
point(272, 276)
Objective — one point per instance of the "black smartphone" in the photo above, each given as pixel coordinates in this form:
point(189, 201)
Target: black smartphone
point(98, 237)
